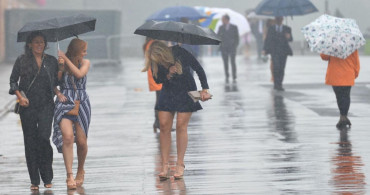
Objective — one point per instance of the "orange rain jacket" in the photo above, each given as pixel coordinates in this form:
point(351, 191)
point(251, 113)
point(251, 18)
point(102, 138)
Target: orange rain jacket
point(342, 72)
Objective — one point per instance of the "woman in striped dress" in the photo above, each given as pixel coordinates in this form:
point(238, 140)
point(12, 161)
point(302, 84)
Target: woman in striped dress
point(73, 70)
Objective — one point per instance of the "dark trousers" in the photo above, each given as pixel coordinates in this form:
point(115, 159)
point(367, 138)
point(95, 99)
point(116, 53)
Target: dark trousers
point(278, 66)
point(36, 125)
point(225, 58)
point(343, 98)
point(156, 121)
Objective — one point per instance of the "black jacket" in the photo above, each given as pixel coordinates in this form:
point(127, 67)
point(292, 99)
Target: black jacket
point(22, 82)
point(229, 38)
point(276, 43)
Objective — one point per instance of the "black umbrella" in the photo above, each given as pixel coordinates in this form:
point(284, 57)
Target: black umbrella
point(178, 32)
point(60, 28)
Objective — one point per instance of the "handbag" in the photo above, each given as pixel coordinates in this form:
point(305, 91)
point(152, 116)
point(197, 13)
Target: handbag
point(76, 108)
point(17, 105)
point(195, 95)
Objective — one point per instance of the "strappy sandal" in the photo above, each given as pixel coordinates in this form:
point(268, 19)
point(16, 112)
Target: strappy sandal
point(80, 177)
point(179, 173)
point(34, 187)
point(49, 185)
point(164, 175)
point(71, 184)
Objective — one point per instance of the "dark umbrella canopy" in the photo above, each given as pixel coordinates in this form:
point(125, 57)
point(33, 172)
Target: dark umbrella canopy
point(60, 28)
point(175, 13)
point(285, 7)
point(178, 32)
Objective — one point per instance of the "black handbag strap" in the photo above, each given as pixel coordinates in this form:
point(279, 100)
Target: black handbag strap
point(33, 80)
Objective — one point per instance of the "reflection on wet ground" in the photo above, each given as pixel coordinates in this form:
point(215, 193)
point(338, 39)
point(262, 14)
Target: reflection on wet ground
point(347, 168)
point(248, 139)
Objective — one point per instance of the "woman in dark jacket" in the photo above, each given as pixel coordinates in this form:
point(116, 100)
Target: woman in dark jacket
point(35, 74)
point(171, 66)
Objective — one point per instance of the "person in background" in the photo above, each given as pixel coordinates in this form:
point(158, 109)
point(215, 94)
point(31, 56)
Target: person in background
point(257, 26)
point(35, 74)
point(341, 74)
point(277, 44)
point(153, 86)
point(171, 66)
point(269, 23)
point(229, 35)
point(71, 128)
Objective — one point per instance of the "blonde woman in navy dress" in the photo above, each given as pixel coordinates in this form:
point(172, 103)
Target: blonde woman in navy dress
point(74, 70)
point(171, 66)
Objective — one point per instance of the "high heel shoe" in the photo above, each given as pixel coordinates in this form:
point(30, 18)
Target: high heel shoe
point(71, 183)
point(80, 177)
point(179, 174)
point(164, 175)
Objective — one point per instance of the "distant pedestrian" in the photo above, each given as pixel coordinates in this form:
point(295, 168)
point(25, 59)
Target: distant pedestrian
point(35, 74)
point(70, 128)
point(171, 66)
point(341, 74)
point(269, 23)
point(153, 86)
point(257, 27)
point(229, 35)
point(277, 44)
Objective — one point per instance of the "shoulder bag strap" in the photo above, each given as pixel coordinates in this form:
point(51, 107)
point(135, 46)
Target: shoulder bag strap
point(29, 87)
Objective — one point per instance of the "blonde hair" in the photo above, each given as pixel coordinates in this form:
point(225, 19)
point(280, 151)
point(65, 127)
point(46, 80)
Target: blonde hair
point(75, 47)
point(159, 54)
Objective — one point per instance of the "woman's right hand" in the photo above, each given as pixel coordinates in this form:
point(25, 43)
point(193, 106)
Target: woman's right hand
point(24, 102)
point(172, 70)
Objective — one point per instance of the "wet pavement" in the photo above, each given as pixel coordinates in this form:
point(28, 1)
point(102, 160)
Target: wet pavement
point(248, 139)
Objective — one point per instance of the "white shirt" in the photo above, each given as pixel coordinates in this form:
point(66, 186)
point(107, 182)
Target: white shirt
point(279, 28)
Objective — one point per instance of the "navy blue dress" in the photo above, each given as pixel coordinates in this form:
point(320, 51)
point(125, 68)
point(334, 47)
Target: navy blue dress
point(174, 94)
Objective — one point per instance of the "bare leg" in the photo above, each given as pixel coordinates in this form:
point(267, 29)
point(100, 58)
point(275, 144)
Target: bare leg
point(68, 139)
point(81, 142)
point(166, 121)
point(181, 140)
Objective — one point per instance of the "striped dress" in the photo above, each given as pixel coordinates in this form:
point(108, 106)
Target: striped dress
point(84, 115)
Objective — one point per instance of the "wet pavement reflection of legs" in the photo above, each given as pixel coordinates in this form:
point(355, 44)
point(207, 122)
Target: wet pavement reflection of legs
point(347, 173)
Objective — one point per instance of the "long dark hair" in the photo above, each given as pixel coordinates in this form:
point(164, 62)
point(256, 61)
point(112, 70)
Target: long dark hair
point(29, 67)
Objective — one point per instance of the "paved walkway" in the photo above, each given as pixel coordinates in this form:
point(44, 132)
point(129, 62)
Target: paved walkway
point(248, 139)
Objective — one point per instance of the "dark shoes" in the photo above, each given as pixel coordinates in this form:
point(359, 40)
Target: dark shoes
point(279, 88)
point(343, 123)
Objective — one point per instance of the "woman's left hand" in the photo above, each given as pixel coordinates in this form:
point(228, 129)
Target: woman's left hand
point(204, 95)
point(61, 98)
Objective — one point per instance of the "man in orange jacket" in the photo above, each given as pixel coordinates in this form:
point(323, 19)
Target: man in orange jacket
point(341, 74)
